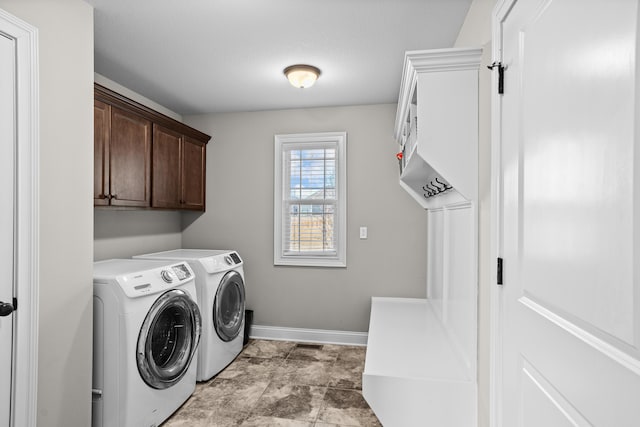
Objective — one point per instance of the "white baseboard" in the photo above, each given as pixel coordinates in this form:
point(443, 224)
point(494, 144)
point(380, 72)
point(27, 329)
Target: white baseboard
point(321, 336)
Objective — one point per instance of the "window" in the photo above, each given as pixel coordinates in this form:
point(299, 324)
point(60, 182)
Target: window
point(310, 199)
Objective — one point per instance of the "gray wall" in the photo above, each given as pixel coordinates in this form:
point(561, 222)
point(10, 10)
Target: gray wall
point(391, 262)
point(476, 32)
point(124, 233)
point(66, 221)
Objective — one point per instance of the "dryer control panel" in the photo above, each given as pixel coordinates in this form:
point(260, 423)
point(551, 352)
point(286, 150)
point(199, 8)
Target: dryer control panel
point(222, 262)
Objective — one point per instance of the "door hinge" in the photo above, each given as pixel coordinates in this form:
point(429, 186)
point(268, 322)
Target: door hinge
point(15, 303)
point(500, 68)
point(499, 272)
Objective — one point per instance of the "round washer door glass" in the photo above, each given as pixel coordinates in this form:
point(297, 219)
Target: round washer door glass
point(228, 306)
point(168, 339)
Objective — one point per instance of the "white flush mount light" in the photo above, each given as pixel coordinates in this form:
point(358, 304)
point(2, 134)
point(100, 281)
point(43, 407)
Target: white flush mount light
point(301, 75)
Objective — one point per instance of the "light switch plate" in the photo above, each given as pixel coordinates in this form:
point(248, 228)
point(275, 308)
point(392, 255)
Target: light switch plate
point(363, 232)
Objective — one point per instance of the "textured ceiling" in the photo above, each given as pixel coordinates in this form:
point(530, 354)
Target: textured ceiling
point(201, 56)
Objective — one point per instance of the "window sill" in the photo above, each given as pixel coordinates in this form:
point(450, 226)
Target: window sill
point(310, 262)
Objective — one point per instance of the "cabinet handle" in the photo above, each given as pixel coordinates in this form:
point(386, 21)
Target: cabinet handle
point(113, 196)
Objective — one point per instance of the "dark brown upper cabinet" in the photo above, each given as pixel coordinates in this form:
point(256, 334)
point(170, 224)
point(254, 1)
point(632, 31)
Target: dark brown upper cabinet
point(143, 159)
point(122, 157)
point(178, 170)
point(193, 174)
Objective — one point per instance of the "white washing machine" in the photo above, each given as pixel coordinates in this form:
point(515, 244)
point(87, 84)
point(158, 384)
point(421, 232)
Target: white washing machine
point(221, 297)
point(147, 327)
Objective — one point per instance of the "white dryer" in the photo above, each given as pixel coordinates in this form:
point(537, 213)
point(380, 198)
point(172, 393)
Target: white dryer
point(147, 327)
point(221, 297)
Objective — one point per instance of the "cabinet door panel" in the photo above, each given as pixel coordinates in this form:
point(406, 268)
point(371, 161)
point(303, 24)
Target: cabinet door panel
point(130, 159)
point(102, 126)
point(193, 175)
point(167, 162)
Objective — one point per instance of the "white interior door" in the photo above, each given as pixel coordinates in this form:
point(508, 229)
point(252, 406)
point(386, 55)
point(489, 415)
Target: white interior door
point(7, 156)
point(570, 218)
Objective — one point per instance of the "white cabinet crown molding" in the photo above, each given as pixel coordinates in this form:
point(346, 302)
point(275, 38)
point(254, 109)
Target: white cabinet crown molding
point(426, 61)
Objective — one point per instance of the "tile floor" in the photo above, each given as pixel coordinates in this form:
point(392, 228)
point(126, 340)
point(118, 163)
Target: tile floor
point(278, 383)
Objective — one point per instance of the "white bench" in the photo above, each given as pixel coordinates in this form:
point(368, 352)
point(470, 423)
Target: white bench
point(414, 375)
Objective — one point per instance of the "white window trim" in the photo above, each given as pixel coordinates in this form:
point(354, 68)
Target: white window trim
point(340, 259)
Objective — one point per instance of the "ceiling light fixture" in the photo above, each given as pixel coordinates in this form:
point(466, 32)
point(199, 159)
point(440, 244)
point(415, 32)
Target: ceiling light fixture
point(301, 75)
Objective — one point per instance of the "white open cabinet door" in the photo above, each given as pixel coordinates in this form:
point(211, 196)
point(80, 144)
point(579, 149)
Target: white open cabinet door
point(566, 161)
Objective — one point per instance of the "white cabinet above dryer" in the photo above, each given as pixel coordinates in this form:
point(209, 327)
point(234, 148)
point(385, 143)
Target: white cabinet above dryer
point(437, 126)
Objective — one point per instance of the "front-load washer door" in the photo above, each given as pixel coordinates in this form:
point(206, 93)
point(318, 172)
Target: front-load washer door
point(168, 339)
point(228, 306)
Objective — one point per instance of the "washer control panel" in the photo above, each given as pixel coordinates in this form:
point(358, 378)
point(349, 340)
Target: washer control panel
point(155, 280)
point(178, 271)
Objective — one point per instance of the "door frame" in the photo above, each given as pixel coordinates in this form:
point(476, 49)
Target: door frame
point(25, 356)
point(500, 12)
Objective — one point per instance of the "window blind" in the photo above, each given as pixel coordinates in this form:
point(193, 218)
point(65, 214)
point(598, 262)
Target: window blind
point(309, 199)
